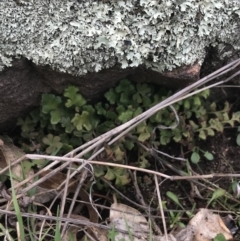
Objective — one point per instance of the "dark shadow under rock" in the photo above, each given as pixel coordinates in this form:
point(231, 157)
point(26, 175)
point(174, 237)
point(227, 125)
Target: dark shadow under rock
point(23, 84)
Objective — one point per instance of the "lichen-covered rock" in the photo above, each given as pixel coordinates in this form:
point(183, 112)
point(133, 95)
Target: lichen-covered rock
point(79, 36)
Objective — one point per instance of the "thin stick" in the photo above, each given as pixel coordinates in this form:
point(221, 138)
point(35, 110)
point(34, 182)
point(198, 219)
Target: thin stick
point(161, 208)
point(141, 200)
point(64, 198)
point(66, 159)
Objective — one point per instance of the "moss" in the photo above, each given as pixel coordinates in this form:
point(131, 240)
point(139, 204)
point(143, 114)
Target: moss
point(85, 36)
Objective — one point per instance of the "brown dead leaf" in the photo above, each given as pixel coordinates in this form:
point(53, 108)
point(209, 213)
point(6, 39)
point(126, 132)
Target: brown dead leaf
point(131, 220)
point(8, 154)
point(1, 142)
point(204, 226)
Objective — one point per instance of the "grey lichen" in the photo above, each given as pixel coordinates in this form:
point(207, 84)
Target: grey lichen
point(86, 36)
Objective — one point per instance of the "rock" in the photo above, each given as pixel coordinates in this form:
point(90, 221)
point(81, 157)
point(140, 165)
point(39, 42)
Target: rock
point(44, 46)
point(20, 91)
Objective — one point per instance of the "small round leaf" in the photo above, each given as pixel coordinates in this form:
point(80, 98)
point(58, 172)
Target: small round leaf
point(238, 140)
point(209, 156)
point(195, 158)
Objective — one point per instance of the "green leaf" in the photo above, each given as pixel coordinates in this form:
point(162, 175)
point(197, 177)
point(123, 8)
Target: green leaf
point(195, 158)
point(177, 135)
point(174, 198)
point(112, 233)
point(157, 118)
point(129, 144)
point(144, 163)
point(238, 140)
point(186, 104)
point(77, 133)
point(202, 135)
point(57, 235)
point(193, 125)
point(137, 112)
point(186, 133)
point(89, 109)
point(66, 148)
point(17, 210)
point(225, 116)
point(142, 91)
point(156, 100)
point(111, 115)
point(26, 166)
point(27, 125)
point(40, 163)
point(209, 156)
point(53, 143)
point(125, 116)
point(120, 109)
point(144, 136)
point(188, 113)
point(100, 109)
point(219, 237)
point(141, 127)
point(210, 131)
point(213, 106)
point(74, 99)
point(226, 107)
point(35, 114)
point(105, 126)
point(235, 188)
point(181, 225)
point(119, 154)
point(137, 97)
point(205, 93)
point(216, 124)
point(164, 140)
point(120, 175)
point(147, 101)
point(109, 175)
point(55, 116)
point(236, 117)
point(82, 121)
point(87, 136)
point(196, 101)
point(201, 113)
point(51, 105)
point(125, 98)
point(66, 123)
point(50, 102)
point(111, 96)
point(217, 194)
point(98, 171)
point(125, 86)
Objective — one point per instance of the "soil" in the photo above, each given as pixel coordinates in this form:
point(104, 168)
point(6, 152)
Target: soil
point(226, 160)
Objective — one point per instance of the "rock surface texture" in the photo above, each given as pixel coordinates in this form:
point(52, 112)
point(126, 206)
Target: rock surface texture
point(47, 44)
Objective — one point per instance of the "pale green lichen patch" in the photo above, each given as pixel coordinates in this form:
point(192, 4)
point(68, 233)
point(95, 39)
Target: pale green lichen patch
point(86, 36)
